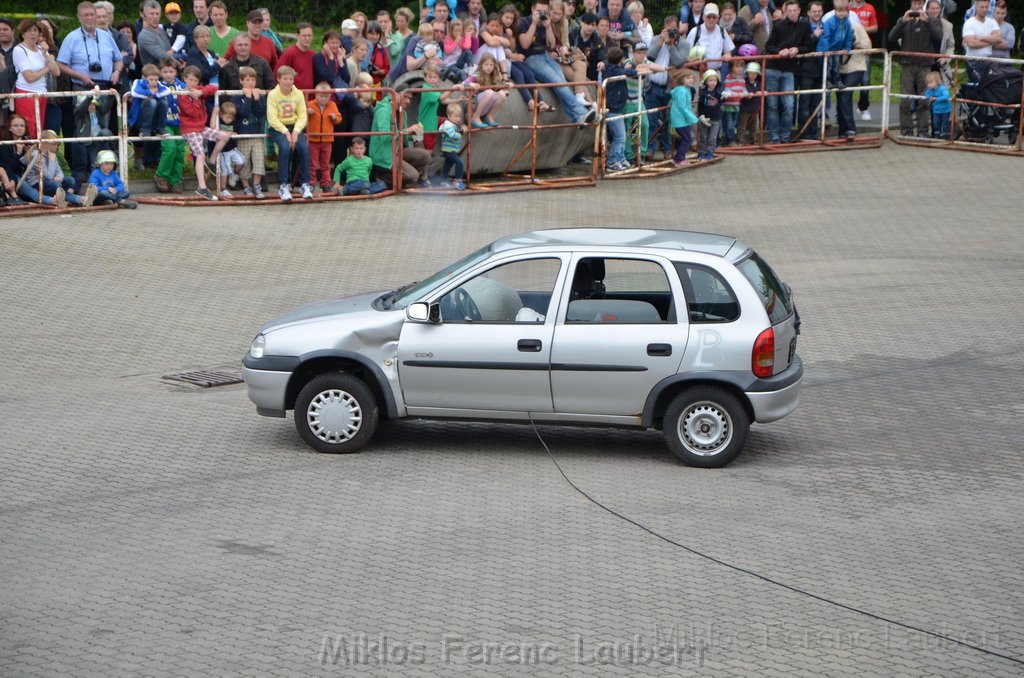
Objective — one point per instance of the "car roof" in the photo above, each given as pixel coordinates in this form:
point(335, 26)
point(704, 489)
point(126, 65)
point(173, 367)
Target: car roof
point(626, 238)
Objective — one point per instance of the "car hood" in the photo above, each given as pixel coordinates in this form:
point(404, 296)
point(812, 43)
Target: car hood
point(319, 310)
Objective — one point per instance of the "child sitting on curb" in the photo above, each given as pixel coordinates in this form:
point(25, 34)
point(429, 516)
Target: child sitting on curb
point(108, 183)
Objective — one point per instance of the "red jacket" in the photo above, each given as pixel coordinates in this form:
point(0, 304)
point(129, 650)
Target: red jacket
point(192, 112)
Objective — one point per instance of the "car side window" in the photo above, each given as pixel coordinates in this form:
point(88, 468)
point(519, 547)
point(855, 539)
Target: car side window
point(709, 299)
point(517, 292)
point(607, 290)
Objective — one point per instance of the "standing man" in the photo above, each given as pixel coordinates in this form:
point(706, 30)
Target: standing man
point(868, 18)
point(221, 34)
point(202, 12)
point(712, 37)
point(243, 56)
point(810, 76)
point(153, 42)
point(916, 32)
point(90, 58)
point(1003, 49)
point(7, 74)
point(668, 50)
point(760, 22)
point(300, 57)
point(981, 33)
point(261, 45)
point(790, 36)
point(620, 25)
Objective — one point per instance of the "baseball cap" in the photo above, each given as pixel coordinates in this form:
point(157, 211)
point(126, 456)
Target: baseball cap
point(588, 18)
point(349, 25)
point(172, 7)
point(255, 16)
point(640, 46)
point(711, 8)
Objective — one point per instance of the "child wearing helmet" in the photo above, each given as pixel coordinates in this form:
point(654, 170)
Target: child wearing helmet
point(109, 187)
point(750, 107)
point(709, 108)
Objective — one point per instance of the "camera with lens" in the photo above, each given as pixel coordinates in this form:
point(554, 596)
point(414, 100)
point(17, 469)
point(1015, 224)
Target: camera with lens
point(543, 16)
point(673, 34)
point(914, 14)
point(95, 67)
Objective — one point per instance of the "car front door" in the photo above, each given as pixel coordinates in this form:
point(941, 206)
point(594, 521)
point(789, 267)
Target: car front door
point(492, 347)
point(618, 334)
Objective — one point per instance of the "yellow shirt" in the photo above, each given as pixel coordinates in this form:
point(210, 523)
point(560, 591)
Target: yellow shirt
point(286, 109)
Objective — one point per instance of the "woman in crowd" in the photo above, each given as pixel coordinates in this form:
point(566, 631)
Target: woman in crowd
point(33, 62)
point(200, 56)
point(572, 61)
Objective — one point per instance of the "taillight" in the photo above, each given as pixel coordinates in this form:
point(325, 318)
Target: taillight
point(762, 358)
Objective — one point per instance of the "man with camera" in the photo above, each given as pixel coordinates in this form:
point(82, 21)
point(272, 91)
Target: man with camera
point(90, 58)
point(669, 50)
point(535, 40)
point(915, 32)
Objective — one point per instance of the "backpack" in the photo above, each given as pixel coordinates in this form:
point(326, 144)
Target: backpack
point(700, 26)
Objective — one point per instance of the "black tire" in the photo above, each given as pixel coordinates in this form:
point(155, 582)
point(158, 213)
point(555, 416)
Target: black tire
point(336, 413)
point(706, 426)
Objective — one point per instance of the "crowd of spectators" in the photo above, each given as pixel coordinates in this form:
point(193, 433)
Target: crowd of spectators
point(175, 69)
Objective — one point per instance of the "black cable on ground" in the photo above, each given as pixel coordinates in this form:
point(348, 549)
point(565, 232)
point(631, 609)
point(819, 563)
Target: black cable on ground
point(765, 578)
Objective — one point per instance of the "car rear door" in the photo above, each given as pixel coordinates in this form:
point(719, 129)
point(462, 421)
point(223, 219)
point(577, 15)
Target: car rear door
point(618, 334)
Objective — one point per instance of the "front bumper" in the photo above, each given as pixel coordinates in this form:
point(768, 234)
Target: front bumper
point(769, 403)
point(267, 390)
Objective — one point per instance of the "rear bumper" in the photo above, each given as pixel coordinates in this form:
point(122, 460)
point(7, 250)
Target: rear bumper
point(770, 403)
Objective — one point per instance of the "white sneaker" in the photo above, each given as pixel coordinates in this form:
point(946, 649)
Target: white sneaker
point(284, 192)
point(233, 180)
point(225, 193)
point(865, 115)
point(60, 198)
point(307, 192)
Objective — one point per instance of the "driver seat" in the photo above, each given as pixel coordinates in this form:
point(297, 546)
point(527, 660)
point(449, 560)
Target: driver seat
point(588, 281)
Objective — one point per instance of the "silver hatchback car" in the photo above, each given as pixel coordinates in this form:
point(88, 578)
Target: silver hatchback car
point(690, 333)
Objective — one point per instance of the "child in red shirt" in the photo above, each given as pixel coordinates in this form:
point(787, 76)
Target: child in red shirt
point(192, 115)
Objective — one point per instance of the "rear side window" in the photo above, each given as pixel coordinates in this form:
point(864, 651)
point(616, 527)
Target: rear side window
point(709, 299)
point(768, 286)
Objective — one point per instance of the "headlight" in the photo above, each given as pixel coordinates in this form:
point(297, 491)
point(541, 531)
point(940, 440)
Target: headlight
point(258, 345)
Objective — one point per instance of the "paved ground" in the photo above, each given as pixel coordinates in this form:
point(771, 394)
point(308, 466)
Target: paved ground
point(153, 529)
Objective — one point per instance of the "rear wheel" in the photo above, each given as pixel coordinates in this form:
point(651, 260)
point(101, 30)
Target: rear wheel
point(336, 413)
point(706, 426)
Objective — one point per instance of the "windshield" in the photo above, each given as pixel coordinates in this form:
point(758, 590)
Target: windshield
point(405, 296)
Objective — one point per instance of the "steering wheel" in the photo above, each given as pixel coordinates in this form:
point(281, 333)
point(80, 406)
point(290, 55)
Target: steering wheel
point(465, 305)
point(457, 306)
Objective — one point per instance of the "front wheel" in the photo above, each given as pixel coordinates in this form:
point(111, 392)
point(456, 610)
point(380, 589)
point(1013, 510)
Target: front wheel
point(706, 426)
point(336, 413)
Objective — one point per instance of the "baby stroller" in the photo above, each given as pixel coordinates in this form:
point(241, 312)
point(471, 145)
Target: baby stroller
point(993, 83)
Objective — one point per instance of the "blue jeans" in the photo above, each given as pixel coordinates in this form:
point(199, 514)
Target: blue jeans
point(844, 103)
point(940, 125)
point(807, 105)
point(453, 160)
point(354, 187)
point(685, 141)
point(152, 115)
point(105, 196)
point(546, 70)
point(729, 122)
point(616, 129)
point(655, 97)
point(285, 154)
point(30, 192)
point(779, 109)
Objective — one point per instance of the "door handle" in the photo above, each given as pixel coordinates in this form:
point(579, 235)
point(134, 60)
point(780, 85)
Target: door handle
point(659, 349)
point(529, 345)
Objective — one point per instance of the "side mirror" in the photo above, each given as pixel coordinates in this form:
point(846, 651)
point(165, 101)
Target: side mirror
point(422, 312)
